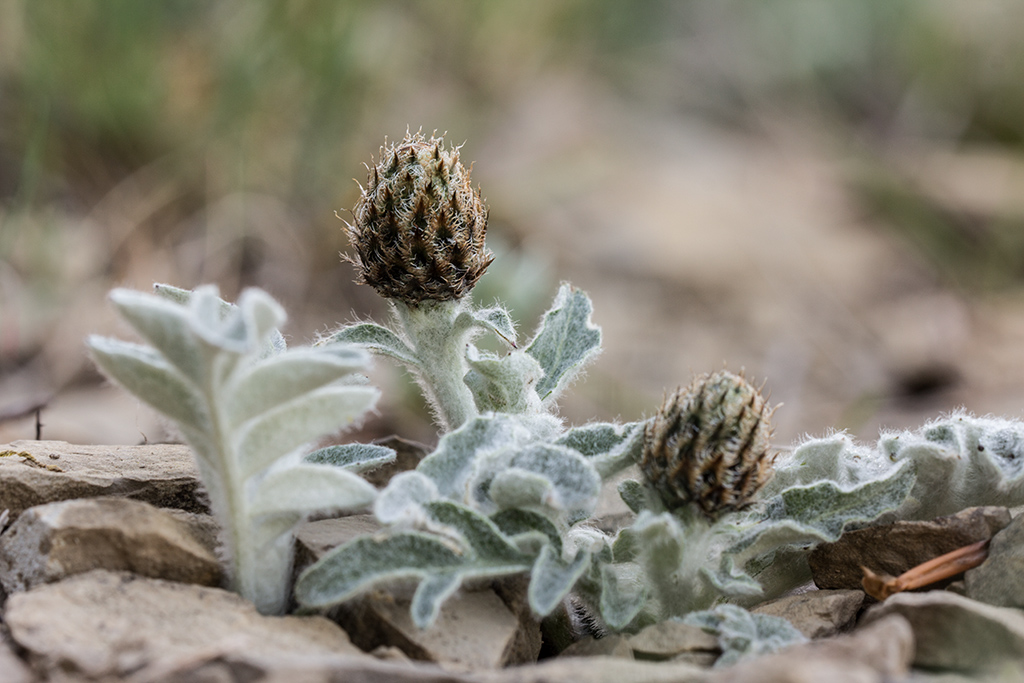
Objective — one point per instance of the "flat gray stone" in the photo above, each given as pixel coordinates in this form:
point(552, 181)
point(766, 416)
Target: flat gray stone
point(895, 548)
point(669, 639)
point(50, 542)
point(256, 666)
point(12, 669)
point(314, 539)
point(610, 646)
point(110, 624)
point(160, 474)
point(1000, 579)
point(955, 632)
point(878, 653)
point(474, 631)
point(477, 629)
point(817, 613)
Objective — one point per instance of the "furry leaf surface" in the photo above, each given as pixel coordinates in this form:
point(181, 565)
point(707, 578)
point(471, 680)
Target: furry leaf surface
point(245, 405)
point(567, 340)
point(354, 457)
point(378, 339)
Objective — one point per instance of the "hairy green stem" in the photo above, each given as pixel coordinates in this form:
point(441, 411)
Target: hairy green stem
point(440, 346)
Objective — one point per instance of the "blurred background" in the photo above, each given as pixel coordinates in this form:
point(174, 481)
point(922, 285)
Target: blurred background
point(827, 195)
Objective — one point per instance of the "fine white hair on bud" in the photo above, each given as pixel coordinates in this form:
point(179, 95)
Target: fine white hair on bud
point(708, 444)
point(419, 225)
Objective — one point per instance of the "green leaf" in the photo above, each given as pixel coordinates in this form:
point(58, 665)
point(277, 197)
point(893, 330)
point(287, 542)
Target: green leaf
point(430, 595)
point(285, 377)
point(820, 512)
point(378, 339)
point(639, 497)
point(743, 635)
point(165, 326)
point(146, 374)
point(354, 457)
point(283, 429)
point(453, 461)
point(273, 345)
point(368, 561)
point(566, 341)
point(622, 596)
point(244, 329)
point(542, 475)
point(609, 447)
point(305, 488)
point(551, 579)
point(403, 499)
point(515, 523)
point(495, 319)
point(504, 385)
point(480, 534)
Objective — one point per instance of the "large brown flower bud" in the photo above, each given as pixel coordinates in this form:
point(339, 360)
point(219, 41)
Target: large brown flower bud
point(419, 225)
point(709, 445)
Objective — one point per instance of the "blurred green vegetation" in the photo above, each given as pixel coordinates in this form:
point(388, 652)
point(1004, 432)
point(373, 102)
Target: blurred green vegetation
point(163, 130)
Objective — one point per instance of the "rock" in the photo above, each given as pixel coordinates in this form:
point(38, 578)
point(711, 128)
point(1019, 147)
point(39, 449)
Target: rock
point(878, 653)
point(112, 624)
point(513, 591)
point(817, 614)
point(1000, 579)
point(314, 539)
point(895, 548)
point(474, 631)
point(256, 666)
point(161, 474)
point(609, 646)
point(12, 669)
point(50, 542)
point(955, 632)
point(669, 639)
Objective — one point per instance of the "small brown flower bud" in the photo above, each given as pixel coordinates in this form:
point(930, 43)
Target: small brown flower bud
point(709, 444)
point(419, 225)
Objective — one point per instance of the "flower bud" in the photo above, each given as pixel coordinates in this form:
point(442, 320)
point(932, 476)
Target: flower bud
point(419, 225)
point(708, 445)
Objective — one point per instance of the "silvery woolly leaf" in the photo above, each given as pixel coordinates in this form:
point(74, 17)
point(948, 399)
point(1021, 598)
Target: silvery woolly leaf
point(539, 475)
point(609, 447)
point(401, 502)
point(273, 345)
point(567, 340)
point(517, 524)
point(961, 461)
point(430, 595)
point(454, 460)
point(304, 488)
point(743, 635)
point(285, 377)
point(377, 339)
point(481, 536)
point(367, 561)
point(819, 512)
point(506, 384)
point(283, 429)
point(245, 326)
point(495, 319)
point(354, 457)
point(164, 325)
point(551, 579)
point(146, 374)
point(622, 595)
point(833, 458)
point(639, 497)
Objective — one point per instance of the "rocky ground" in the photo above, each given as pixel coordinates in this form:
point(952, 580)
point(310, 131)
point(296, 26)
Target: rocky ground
point(109, 572)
